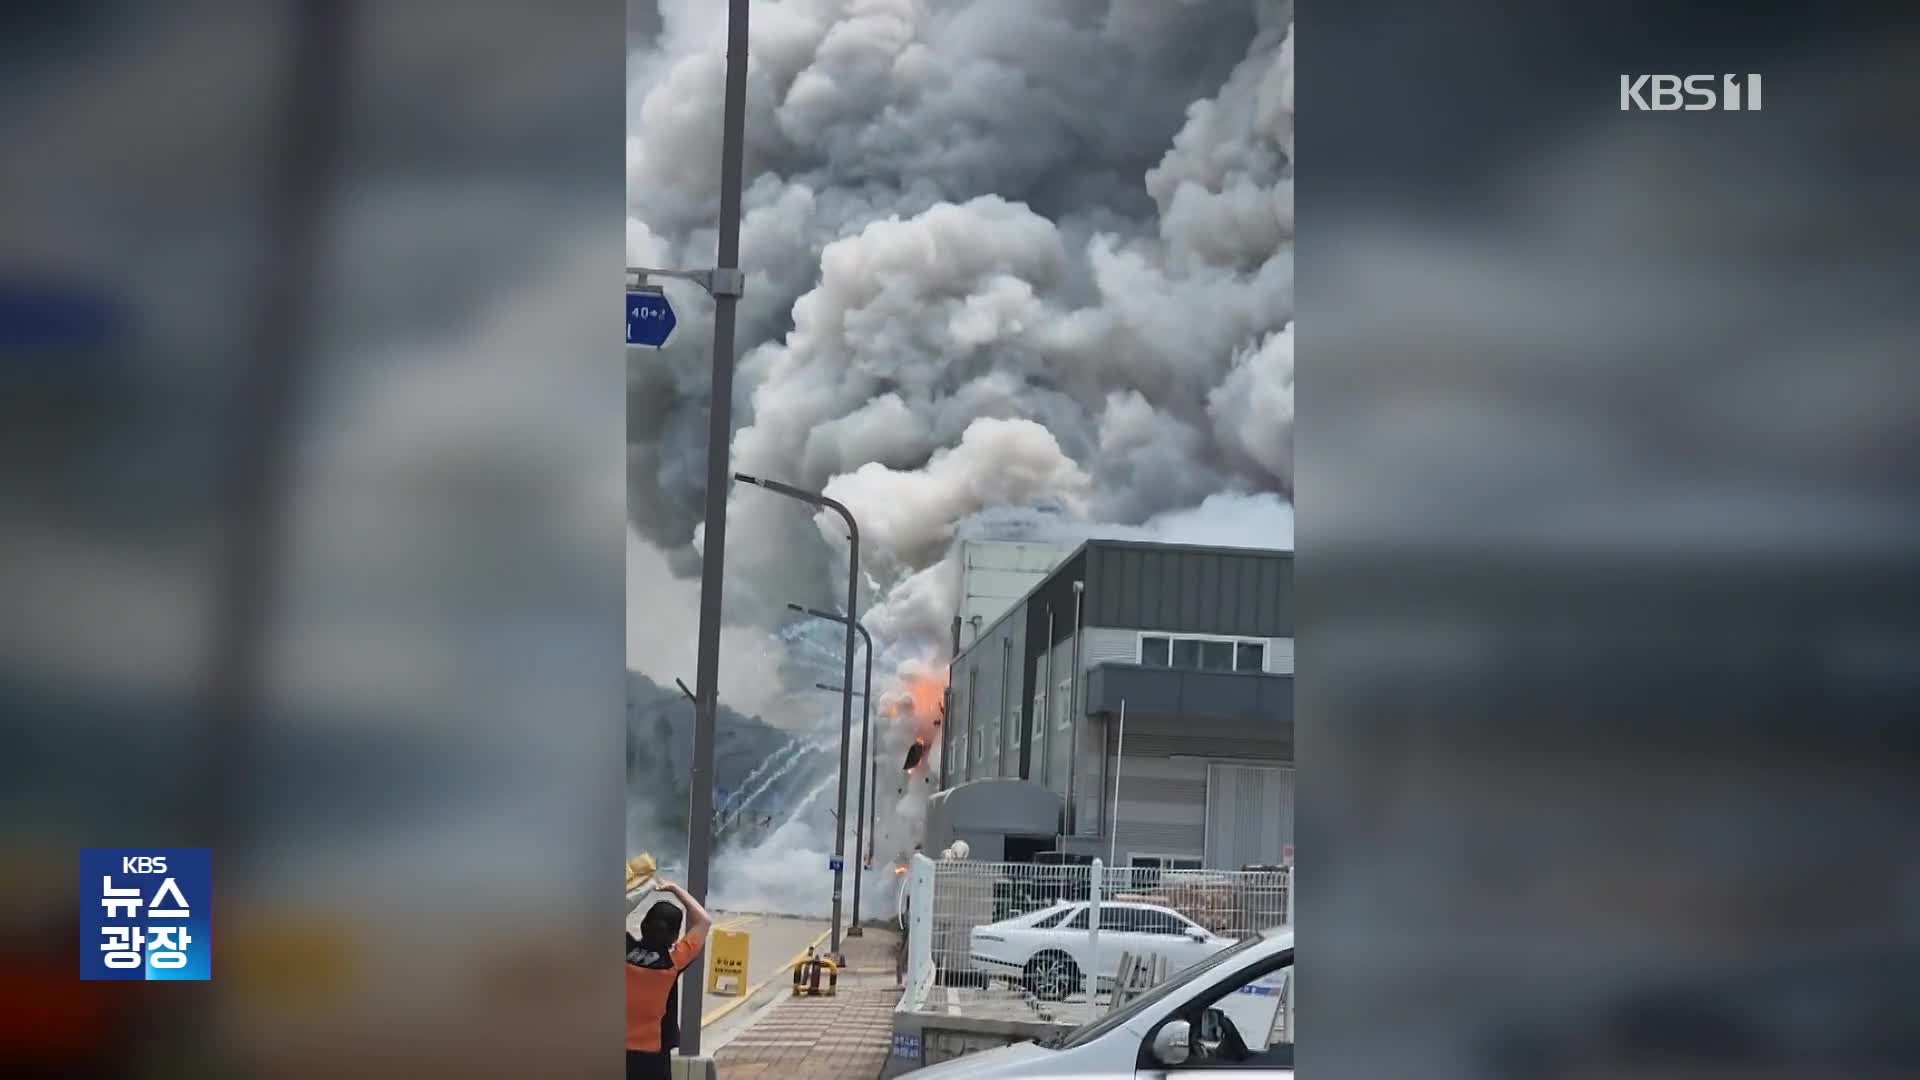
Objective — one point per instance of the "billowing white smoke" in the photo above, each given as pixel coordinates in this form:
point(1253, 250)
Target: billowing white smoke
point(1013, 268)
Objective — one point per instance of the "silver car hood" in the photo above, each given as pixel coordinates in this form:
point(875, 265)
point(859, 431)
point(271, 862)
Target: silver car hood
point(1015, 1062)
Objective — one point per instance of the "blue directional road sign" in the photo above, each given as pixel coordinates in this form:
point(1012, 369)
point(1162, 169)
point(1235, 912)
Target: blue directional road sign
point(836, 864)
point(650, 319)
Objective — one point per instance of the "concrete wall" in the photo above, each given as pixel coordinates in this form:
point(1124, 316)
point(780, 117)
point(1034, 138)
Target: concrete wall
point(928, 1038)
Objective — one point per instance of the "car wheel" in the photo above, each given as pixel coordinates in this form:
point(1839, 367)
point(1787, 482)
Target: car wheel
point(1052, 975)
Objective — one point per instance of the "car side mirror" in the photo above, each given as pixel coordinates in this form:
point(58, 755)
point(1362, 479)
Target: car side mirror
point(1171, 1044)
point(1196, 933)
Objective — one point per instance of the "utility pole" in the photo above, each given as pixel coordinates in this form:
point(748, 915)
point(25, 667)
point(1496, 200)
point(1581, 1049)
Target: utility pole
point(271, 378)
point(726, 284)
point(846, 679)
point(862, 833)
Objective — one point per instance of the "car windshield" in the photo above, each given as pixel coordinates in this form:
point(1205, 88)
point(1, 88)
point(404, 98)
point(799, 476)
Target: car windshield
point(1087, 1034)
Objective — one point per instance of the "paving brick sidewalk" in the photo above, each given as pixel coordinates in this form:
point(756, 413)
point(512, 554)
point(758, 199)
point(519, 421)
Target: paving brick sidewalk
point(848, 1035)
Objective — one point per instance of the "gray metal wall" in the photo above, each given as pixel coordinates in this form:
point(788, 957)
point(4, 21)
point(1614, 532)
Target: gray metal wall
point(984, 688)
point(1198, 590)
point(1100, 644)
point(1163, 804)
point(1249, 814)
point(1129, 587)
point(1058, 737)
point(1214, 712)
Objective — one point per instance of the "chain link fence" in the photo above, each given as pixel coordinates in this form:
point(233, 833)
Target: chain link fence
point(1047, 941)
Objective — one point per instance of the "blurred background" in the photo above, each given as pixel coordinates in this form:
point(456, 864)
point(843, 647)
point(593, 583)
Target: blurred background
point(311, 551)
point(1607, 544)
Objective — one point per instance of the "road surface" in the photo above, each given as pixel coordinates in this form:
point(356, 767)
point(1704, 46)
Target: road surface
point(774, 943)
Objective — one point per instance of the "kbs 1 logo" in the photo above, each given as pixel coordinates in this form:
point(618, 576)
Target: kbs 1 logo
point(1694, 93)
point(144, 913)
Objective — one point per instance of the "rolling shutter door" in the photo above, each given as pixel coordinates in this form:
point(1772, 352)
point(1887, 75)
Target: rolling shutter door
point(1249, 815)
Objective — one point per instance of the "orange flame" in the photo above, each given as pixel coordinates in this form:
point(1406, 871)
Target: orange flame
point(915, 707)
point(927, 694)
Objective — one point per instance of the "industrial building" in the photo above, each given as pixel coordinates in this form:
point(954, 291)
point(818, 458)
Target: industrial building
point(1166, 667)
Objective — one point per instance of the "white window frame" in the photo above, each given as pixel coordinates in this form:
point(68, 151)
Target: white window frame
point(1019, 728)
point(980, 748)
point(1140, 648)
point(1065, 710)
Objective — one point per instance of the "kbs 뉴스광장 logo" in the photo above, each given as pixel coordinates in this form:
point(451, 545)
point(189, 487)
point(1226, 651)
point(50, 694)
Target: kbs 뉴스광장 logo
point(145, 913)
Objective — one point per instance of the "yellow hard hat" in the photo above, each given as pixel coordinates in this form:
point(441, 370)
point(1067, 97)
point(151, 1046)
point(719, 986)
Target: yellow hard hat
point(640, 871)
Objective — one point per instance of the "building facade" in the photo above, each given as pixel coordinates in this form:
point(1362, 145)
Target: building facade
point(1166, 667)
point(994, 575)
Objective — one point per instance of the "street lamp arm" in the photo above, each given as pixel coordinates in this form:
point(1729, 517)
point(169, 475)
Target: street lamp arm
point(814, 497)
point(720, 281)
point(831, 617)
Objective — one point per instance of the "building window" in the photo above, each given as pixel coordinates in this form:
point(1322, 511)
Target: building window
point(1216, 656)
point(1144, 871)
point(1153, 651)
point(1186, 653)
point(1200, 652)
point(1063, 708)
point(1013, 732)
point(1162, 862)
point(1250, 656)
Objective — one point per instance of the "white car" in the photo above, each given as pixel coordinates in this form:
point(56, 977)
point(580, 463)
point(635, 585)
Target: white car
point(1049, 953)
point(1232, 1011)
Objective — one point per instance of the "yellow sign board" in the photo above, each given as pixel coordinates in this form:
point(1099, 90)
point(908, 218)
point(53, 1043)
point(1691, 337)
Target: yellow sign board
point(727, 962)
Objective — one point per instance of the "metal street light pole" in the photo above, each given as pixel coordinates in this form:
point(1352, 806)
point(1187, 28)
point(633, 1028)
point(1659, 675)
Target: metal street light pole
point(861, 829)
point(725, 283)
point(846, 679)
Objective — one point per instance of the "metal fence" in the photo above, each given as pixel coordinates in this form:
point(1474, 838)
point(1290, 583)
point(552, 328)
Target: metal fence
point(1046, 941)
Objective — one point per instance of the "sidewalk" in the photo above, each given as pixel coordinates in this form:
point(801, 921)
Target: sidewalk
point(848, 1035)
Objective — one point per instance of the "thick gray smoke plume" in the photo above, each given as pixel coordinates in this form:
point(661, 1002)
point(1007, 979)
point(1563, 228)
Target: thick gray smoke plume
point(1014, 269)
